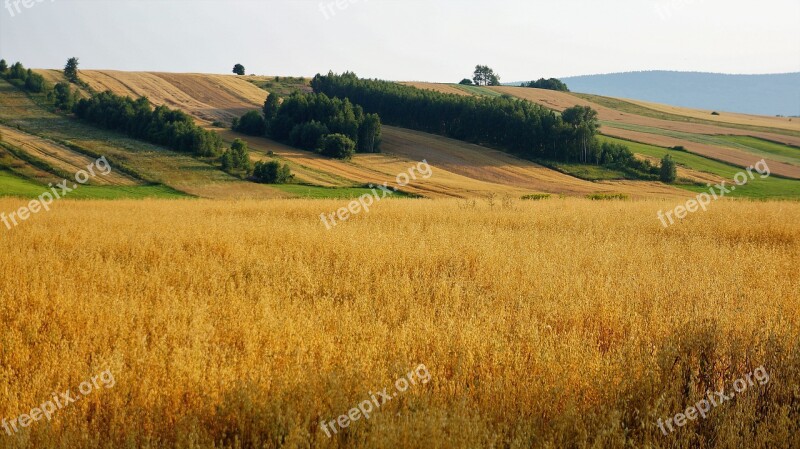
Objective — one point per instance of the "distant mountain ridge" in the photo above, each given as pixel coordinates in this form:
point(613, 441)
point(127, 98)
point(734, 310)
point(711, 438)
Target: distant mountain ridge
point(771, 94)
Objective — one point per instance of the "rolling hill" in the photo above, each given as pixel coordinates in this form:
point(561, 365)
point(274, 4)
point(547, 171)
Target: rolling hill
point(461, 170)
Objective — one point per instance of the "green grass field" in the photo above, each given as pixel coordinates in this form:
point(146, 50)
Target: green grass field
point(774, 151)
point(478, 90)
point(767, 188)
point(764, 146)
point(588, 172)
point(15, 185)
point(631, 108)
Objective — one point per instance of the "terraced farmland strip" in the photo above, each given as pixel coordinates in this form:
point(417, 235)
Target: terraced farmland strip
point(61, 157)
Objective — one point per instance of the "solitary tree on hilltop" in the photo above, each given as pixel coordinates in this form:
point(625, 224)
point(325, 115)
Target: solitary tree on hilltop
point(238, 69)
point(71, 70)
point(485, 76)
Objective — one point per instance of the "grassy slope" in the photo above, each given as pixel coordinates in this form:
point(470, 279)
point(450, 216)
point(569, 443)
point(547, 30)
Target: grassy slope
point(676, 114)
point(151, 162)
point(313, 169)
point(239, 95)
point(768, 188)
point(17, 186)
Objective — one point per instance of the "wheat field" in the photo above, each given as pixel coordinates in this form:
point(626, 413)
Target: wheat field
point(562, 323)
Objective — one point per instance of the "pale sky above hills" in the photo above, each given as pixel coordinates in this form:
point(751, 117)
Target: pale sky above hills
point(406, 40)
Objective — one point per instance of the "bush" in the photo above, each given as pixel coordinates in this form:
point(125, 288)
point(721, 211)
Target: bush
point(237, 158)
point(607, 196)
point(272, 172)
point(338, 146)
point(64, 98)
point(252, 124)
point(669, 170)
point(34, 82)
point(537, 196)
point(466, 82)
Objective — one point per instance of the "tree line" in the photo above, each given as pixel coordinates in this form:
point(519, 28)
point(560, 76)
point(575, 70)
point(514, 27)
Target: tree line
point(316, 122)
point(23, 78)
point(62, 96)
point(138, 119)
point(549, 84)
point(517, 126)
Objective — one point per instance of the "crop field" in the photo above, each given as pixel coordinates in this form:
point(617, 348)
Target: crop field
point(667, 128)
point(210, 97)
point(554, 323)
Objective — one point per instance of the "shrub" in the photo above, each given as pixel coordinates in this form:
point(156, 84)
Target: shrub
point(669, 170)
point(237, 158)
point(607, 196)
point(338, 146)
point(252, 124)
point(537, 196)
point(34, 82)
point(272, 172)
point(64, 97)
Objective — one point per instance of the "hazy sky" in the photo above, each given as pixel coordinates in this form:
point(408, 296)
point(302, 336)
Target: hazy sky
point(406, 40)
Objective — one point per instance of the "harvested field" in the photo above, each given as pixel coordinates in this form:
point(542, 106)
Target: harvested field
point(788, 123)
point(736, 157)
point(61, 157)
point(494, 166)
point(207, 97)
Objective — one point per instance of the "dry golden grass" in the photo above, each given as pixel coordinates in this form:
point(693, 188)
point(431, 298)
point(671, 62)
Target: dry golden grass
point(208, 97)
point(555, 323)
point(59, 156)
point(726, 117)
point(562, 100)
point(463, 170)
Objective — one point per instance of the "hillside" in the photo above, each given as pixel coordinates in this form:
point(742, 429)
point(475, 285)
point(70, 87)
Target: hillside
point(739, 140)
point(461, 170)
point(753, 94)
point(476, 173)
